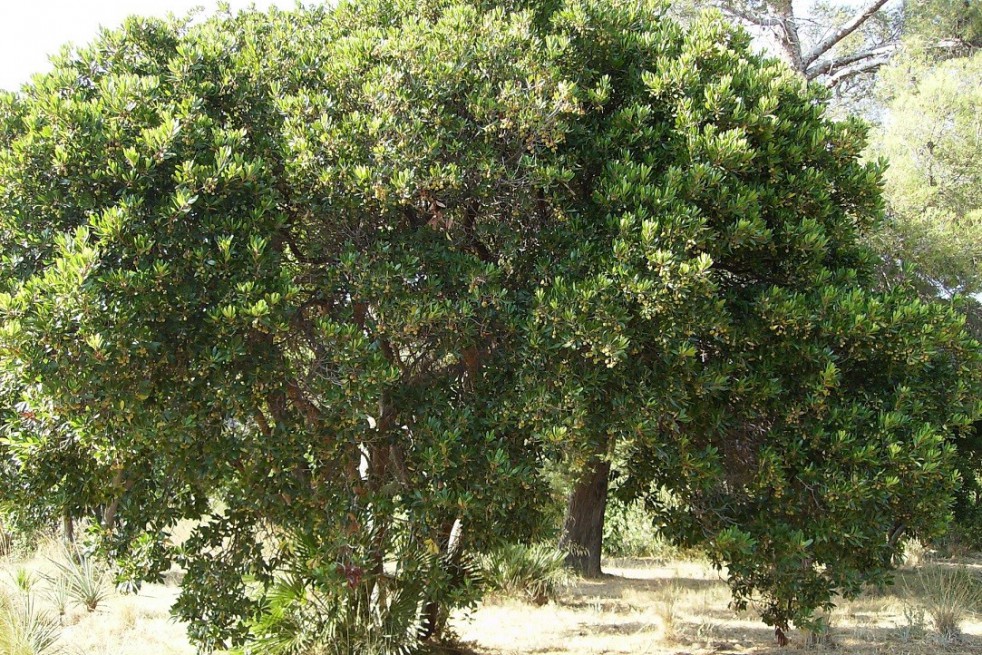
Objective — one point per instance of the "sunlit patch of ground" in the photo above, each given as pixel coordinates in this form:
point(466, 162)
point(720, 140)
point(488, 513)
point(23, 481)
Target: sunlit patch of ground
point(129, 625)
point(638, 608)
point(682, 609)
point(121, 624)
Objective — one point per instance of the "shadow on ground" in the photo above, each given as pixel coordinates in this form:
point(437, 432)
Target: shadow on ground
point(682, 609)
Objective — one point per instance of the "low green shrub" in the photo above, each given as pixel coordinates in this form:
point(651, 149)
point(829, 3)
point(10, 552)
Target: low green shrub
point(533, 573)
point(629, 531)
point(352, 610)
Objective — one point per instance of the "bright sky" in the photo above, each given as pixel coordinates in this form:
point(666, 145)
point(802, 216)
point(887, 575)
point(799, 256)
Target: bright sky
point(31, 30)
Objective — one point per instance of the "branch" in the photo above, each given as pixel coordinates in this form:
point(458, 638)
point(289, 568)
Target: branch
point(896, 533)
point(475, 245)
point(792, 43)
point(857, 69)
point(310, 411)
point(837, 66)
point(785, 24)
point(830, 66)
point(845, 30)
point(952, 45)
point(754, 19)
point(109, 516)
point(399, 465)
point(262, 423)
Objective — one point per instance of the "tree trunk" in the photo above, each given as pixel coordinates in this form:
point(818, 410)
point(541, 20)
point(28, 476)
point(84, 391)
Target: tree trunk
point(69, 525)
point(434, 615)
point(583, 530)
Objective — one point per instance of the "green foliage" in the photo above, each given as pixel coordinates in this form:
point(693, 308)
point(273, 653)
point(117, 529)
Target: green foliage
point(331, 284)
point(297, 620)
point(23, 529)
point(717, 322)
point(932, 136)
point(24, 579)
point(280, 256)
point(300, 616)
point(932, 237)
point(535, 573)
point(946, 20)
point(630, 531)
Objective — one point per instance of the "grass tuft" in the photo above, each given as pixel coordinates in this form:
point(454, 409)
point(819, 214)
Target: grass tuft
point(949, 594)
point(25, 629)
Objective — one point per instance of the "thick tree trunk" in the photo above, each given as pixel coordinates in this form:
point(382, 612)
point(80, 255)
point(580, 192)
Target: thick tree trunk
point(583, 530)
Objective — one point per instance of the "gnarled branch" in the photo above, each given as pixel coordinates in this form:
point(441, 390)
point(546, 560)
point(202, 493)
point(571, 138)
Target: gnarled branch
point(856, 69)
point(842, 32)
point(830, 66)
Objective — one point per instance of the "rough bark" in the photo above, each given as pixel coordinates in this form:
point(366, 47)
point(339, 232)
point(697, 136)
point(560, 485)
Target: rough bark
point(583, 529)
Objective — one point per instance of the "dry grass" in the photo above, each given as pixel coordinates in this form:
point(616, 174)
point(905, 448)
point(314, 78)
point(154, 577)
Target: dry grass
point(120, 625)
point(638, 608)
point(129, 625)
point(682, 609)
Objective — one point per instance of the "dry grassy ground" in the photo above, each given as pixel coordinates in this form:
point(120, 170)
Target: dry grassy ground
point(674, 609)
point(681, 609)
point(128, 624)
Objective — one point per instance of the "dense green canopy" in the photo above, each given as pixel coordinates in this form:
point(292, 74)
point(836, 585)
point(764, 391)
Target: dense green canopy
point(330, 283)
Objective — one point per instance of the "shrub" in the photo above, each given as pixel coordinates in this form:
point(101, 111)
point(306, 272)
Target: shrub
point(629, 531)
point(532, 573)
point(298, 617)
point(85, 580)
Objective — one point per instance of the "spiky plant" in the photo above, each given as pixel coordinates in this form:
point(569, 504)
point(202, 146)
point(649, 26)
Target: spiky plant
point(533, 573)
point(87, 582)
point(25, 629)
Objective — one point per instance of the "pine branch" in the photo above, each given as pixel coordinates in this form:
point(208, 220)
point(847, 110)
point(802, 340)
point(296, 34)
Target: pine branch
point(865, 66)
point(845, 30)
point(752, 18)
point(830, 66)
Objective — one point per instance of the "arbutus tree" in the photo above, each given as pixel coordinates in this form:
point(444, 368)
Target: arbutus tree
point(261, 273)
point(330, 283)
point(720, 329)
